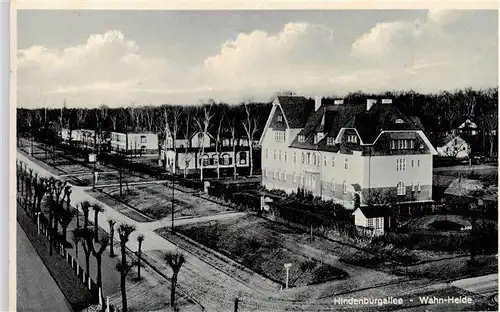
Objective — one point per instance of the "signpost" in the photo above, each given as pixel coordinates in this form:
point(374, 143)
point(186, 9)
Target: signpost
point(92, 159)
point(287, 267)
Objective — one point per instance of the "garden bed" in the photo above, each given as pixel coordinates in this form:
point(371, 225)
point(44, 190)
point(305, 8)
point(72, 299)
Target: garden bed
point(155, 201)
point(252, 242)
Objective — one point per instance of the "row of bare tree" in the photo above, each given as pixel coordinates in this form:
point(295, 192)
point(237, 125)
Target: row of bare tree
point(31, 192)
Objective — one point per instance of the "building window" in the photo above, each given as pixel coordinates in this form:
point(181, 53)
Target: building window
point(143, 139)
point(302, 138)
point(418, 162)
point(379, 222)
point(318, 160)
point(226, 159)
point(274, 174)
point(279, 136)
point(303, 157)
point(370, 222)
point(308, 158)
point(294, 177)
point(267, 153)
point(412, 163)
point(324, 161)
point(333, 161)
point(313, 181)
point(314, 160)
point(243, 158)
point(352, 138)
point(279, 118)
point(402, 144)
point(205, 160)
point(401, 164)
point(279, 155)
point(401, 188)
point(344, 187)
point(346, 164)
point(284, 176)
point(265, 173)
point(279, 174)
point(324, 185)
point(333, 186)
point(294, 157)
point(330, 141)
point(399, 121)
point(274, 154)
point(413, 187)
point(286, 156)
point(419, 187)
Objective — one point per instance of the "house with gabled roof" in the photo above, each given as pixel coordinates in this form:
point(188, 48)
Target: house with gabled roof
point(195, 149)
point(450, 145)
point(346, 151)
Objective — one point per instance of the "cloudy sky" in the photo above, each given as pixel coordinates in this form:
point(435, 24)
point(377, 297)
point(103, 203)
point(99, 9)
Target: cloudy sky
point(117, 58)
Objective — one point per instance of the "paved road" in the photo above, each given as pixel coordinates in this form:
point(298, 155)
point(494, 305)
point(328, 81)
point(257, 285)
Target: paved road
point(217, 289)
point(486, 285)
point(36, 290)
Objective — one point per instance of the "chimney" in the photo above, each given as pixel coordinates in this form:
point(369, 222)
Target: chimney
point(386, 101)
point(338, 102)
point(370, 103)
point(317, 103)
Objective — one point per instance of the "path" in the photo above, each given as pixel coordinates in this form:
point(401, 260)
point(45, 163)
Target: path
point(486, 285)
point(36, 289)
point(213, 287)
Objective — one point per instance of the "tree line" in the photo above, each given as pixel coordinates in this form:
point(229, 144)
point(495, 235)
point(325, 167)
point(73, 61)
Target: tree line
point(47, 201)
point(439, 113)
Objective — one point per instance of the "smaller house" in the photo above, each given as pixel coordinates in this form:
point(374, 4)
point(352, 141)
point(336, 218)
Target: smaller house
point(467, 127)
point(375, 218)
point(188, 153)
point(452, 146)
point(134, 143)
point(68, 135)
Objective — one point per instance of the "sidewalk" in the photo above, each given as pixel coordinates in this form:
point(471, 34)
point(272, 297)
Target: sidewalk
point(73, 289)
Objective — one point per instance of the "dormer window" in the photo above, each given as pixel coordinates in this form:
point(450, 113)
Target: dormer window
point(402, 144)
point(279, 118)
point(330, 141)
point(399, 121)
point(302, 138)
point(352, 138)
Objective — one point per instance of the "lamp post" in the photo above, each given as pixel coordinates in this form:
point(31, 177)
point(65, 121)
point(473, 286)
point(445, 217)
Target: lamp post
point(38, 222)
point(173, 189)
point(92, 158)
point(287, 268)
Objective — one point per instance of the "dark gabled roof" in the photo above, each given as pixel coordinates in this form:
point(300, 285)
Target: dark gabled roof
point(459, 121)
point(380, 117)
point(368, 124)
point(296, 109)
point(335, 116)
point(375, 211)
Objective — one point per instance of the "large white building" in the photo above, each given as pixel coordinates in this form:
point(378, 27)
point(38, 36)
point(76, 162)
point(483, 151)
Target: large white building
point(348, 152)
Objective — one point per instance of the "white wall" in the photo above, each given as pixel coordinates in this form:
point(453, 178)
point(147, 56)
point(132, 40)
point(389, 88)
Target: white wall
point(359, 218)
point(381, 171)
point(455, 148)
point(199, 142)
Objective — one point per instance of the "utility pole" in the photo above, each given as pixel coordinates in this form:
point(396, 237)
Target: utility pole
point(236, 301)
point(287, 267)
point(173, 210)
